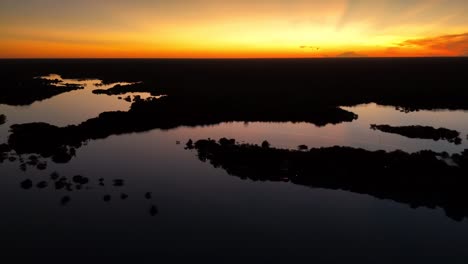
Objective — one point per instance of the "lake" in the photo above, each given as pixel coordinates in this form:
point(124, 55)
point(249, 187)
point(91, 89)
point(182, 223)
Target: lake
point(179, 208)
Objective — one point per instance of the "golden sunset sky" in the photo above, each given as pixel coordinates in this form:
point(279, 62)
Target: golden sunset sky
point(232, 29)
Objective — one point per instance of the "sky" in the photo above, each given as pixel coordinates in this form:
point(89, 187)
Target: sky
point(232, 28)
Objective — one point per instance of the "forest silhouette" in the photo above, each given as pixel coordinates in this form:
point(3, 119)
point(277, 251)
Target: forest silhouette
point(421, 179)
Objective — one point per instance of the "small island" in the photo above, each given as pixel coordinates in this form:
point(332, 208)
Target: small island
point(422, 132)
point(118, 89)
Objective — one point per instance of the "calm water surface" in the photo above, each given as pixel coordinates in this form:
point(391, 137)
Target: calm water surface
point(203, 211)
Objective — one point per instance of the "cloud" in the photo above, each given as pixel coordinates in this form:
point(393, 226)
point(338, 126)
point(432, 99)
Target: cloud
point(351, 54)
point(397, 16)
point(456, 44)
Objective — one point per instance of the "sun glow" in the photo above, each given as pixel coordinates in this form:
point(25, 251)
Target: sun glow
point(241, 29)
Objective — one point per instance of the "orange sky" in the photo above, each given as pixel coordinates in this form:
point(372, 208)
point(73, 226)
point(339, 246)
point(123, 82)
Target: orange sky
point(239, 28)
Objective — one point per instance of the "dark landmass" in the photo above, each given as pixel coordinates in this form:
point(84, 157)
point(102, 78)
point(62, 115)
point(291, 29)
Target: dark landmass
point(60, 143)
point(409, 83)
point(123, 89)
point(2, 119)
point(19, 88)
point(422, 132)
point(418, 179)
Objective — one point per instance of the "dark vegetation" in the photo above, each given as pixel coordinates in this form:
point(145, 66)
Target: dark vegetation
point(60, 143)
point(22, 88)
point(129, 88)
point(302, 147)
point(2, 119)
point(418, 179)
point(423, 132)
point(424, 83)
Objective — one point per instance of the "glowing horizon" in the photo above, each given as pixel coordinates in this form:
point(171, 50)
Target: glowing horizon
point(235, 29)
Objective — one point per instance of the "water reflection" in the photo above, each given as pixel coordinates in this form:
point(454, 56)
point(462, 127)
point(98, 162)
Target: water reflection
point(354, 134)
point(77, 183)
point(71, 107)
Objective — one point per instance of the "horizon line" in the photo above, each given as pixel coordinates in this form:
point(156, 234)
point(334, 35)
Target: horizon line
point(231, 58)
